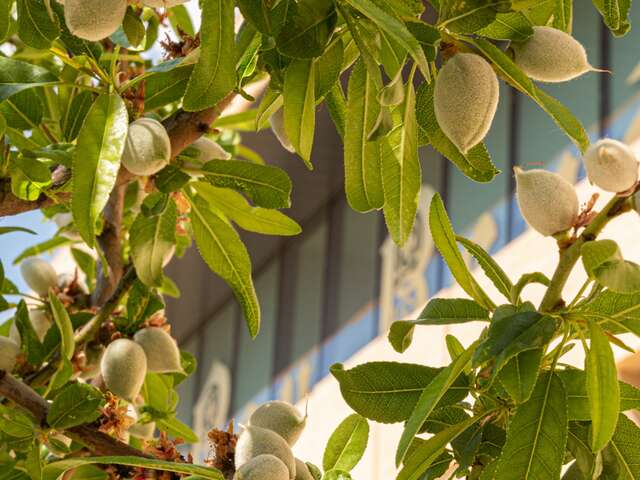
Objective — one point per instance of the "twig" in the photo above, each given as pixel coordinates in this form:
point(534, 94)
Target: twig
point(28, 399)
point(569, 256)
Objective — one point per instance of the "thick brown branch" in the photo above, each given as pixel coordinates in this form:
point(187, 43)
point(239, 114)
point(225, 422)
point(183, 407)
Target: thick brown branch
point(28, 399)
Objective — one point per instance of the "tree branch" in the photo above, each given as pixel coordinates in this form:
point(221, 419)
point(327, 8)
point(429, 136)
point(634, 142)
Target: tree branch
point(183, 128)
point(570, 255)
point(28, 399)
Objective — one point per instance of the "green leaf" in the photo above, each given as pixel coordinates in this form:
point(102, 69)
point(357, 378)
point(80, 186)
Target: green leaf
point(175, 427)
point(36, 28)
point(619, 276)
point(387, 392)
point(490, 267)
point(625, 447)
point(476, 164)
point(347, 444)
point(467, 17)
point(401, 174)
point(30, 344)
point(439, 311)
point(75, 115)
point(267, 186)
point(429, 399)
point(537, 434)
point(5, 230)
point(395, 28)
point(524, 280)
point(162, 88)
point(423, 457)
point(613, 310)
point(159, 394)
point(518, 79)
point(76, 404)
point(221, 248)
point(46, 246)
point(56, 470)
point(508, 26)
point(602, 388)
point(578, 446)
point(152, 240)
point(520, 373)
point(307, 28)
point(362, 169)
point(266, 16)
point(563, 15)
point(63, 322)
point(328, 68)
point(445, 241)
point(615, 14)
point(96, 161)
point(214, 76)
point(86, 263)
point(16, 76)
point(510, 335)
point(300, 107)
point(5, 17)
point(575, 383)
point(254, 219)
point(134, 29)
point(598, 252)
point(337, 106)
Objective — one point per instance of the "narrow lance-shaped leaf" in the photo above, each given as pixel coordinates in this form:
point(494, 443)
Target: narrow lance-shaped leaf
point(96, 161)
point(490, 267)
point(56, 470)
point(267, 186)
point(429, 398)
point(363, 176)
point(152, 240)
point(395, 28)
point(214, 76)
point(602, 387)
point(16, 76)
point(615, 14)
point(418, 462)
point(300, 107)
point(401, 174)
point(516, 77)
point(63, 322)
point(347, 444)
point(223, 251)
point(537, 434)
point(445, 241)
point(253, 219)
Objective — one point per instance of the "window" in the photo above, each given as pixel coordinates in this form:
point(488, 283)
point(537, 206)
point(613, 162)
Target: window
point(308, 298)
point(255, 356)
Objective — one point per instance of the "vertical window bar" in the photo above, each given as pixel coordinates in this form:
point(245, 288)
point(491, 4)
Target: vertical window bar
point(333, 258)
point(444, 192)
point(286, 292)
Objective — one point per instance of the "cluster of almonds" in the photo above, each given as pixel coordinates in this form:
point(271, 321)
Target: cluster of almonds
point(550, 204)
point(466, 90)
point(40, 276)
point(263, 450)
point(84, 21)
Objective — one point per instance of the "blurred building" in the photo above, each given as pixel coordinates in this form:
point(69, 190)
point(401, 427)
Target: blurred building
point(329, 294)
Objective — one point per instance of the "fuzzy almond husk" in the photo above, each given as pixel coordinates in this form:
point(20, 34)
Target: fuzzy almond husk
point(163, 355)
point(263, 467)
point(9, 351)
point(611, 165)
point(551, 55)
point(94, 20)
point(163, 3)
point(547, 201)
point(123, 367)
point(254, 441)
point(147, 149)
point(39, 275)
point(465, 99)
point(280, 417)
